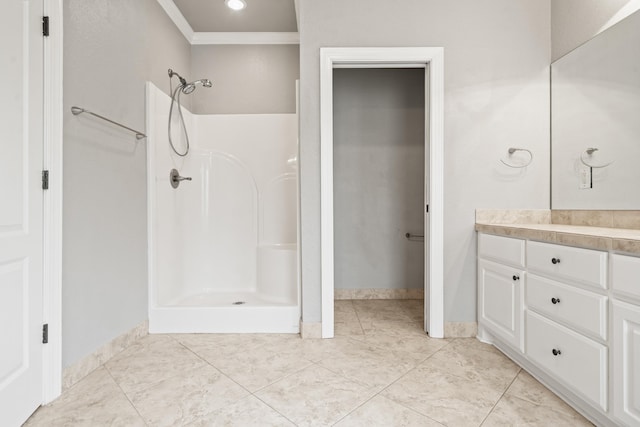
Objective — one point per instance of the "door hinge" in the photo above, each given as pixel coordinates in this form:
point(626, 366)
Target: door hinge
point(427, 207)
point(45, 180)
point(45, 26)
point(45, 333)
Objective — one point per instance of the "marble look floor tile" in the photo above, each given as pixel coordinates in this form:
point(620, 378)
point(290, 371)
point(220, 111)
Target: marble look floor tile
point(472, 344)
point(248, 412)
point(527, 388)
point(343, 306)
point(511, 411)
point(371, 371)
point(211, 346)
point(313, 350)
point(494, 370)
point(149, 361)
point(346, 329)
point(345, 317)
point(369, 365)
point(314, 396)
point(420, 346)
point(255, 370)
point(383, 412)
point(413, 308)
point(94, 400)
point(446, 398)
point(380, 310)
point(187, 398)
point(392, 327)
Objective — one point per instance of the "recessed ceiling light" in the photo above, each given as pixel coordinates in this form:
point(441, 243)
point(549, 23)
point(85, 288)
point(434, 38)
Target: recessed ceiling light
point(235, 4)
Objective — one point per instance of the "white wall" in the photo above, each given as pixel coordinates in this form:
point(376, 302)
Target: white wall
point(497, 54)
point(110, 49)
point(379, 127)
point(247, 79)
point(573, 22)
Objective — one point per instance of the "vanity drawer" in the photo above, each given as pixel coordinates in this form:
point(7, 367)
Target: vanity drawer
point(583, 310)
point(501, 249)
point(573, 359)
point(625, 275)
point(584, 266)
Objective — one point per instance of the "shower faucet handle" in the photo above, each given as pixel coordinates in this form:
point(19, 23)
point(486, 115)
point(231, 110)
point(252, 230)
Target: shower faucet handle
point(175, 178)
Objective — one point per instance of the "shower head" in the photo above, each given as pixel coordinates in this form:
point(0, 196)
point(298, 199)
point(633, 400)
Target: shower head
point(190, 87)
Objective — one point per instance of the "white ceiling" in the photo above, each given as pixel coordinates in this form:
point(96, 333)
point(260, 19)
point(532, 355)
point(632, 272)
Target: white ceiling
point(258, 16)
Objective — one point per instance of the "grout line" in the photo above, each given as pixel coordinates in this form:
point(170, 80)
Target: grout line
point(214, 367)
point(260, 399)
point(135, 408)
point(251, 394)
point(501, 396)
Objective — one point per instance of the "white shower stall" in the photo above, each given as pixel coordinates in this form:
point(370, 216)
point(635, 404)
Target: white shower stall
point(223, 252)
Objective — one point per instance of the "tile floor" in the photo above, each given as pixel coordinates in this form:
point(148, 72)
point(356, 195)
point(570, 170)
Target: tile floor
point(380, 370)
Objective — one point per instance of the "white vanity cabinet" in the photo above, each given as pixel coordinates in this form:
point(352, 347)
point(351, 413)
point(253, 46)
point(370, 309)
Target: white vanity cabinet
point(625, 283)
point(500, 287)
point(554, 321)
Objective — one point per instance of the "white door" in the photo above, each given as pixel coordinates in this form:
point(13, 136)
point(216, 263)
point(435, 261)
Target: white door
point(21, 217)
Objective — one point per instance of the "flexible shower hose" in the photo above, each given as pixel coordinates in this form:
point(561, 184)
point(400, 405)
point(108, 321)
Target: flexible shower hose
point(175, 98)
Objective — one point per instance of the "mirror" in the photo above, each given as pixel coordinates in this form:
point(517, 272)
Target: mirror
point(595, 122)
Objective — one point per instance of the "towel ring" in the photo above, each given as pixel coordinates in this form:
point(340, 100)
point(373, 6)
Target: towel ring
point(513, 150)
point(589, 152)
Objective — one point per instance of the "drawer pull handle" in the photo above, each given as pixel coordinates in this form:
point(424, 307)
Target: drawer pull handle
point(516, 277)
point(555, 300)
point(555, 260)
point(556, 352)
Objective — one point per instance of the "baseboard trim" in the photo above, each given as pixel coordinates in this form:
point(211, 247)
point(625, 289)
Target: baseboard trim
point(74, 373)
point(310, 330)
point(343, 294)
point(460, 329)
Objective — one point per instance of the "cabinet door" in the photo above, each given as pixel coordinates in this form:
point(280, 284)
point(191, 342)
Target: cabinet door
point(626, 363)
point(500, 305)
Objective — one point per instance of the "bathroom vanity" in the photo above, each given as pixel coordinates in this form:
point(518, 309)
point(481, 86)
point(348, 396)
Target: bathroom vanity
point(563, 301)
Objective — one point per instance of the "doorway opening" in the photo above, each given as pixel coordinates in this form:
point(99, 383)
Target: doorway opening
point(379, 181)
point(429, 61)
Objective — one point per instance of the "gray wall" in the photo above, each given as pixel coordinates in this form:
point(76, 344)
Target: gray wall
point(573, 22)
point(379, 127)
point(497, 55)
point(110, 49)
point(247, 79)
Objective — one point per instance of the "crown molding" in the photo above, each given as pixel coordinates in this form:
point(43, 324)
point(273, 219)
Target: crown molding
point(229, 38)
point(178, 18)
point(202, 38)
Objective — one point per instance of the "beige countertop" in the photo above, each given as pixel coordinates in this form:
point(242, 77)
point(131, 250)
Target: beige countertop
point(602, 238)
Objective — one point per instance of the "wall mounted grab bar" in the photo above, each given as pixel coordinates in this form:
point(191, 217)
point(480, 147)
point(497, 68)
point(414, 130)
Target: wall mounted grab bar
point(78, 110)
point(411, 236)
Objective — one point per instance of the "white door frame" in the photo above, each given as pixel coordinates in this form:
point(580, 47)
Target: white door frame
point(396, 57)
point(52, 237)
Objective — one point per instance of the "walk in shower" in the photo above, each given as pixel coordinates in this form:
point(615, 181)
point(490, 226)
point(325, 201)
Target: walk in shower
point(223, 245)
